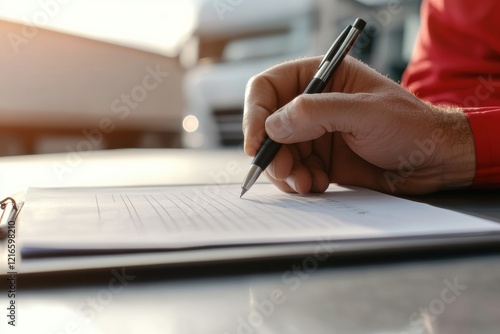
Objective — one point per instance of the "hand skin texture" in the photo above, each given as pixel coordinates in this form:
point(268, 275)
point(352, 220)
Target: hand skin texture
point(363, 130)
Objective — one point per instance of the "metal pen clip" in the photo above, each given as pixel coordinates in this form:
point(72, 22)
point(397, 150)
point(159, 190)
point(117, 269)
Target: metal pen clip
point(344, 46)
point(335, 46)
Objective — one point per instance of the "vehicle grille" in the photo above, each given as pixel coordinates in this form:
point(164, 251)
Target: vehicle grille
point(229, 126)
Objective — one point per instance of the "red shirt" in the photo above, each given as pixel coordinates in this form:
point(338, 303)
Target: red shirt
point(456, 62)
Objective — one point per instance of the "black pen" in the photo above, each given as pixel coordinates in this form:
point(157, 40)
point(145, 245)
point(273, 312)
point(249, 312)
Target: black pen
point(332, 59)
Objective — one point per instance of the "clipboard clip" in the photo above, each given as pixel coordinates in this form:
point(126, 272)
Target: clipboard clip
point(9, 209)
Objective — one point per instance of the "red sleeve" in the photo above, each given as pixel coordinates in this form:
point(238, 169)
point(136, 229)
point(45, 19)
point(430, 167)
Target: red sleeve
point(456, 61)
point(485, 124)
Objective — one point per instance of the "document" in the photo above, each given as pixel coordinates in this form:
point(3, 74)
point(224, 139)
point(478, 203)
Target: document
point(197, 216)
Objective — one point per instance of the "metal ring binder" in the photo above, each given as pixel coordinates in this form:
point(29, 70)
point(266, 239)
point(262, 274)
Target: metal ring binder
point(10, 210)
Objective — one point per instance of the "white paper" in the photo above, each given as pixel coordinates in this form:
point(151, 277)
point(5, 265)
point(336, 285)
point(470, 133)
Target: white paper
point(172, 217)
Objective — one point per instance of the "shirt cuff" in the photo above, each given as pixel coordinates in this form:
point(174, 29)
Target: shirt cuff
point(485, 125)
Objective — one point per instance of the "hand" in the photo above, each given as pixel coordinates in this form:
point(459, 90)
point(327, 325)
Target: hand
point(363, 130)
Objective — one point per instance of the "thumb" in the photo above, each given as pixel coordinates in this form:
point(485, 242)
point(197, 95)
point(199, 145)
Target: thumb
point(309, 116)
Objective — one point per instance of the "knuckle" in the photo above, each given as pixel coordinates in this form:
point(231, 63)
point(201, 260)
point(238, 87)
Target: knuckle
point(252, 81)
point(300, 105)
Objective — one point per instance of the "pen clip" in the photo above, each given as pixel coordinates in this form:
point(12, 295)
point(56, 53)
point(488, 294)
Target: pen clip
point(335, 46)
point(345, 46)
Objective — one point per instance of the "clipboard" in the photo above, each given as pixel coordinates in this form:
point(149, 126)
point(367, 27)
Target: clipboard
point(244, 249)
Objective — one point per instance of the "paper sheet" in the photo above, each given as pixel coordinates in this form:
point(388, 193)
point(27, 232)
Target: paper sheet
point(196, 216)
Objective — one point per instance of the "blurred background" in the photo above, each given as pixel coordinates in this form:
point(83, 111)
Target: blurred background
point(77, 76)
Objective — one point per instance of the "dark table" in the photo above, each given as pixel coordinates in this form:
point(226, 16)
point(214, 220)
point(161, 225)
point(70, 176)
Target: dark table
point(432, 291)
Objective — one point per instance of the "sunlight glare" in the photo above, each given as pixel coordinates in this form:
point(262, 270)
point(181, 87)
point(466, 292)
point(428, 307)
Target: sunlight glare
point(152, 25)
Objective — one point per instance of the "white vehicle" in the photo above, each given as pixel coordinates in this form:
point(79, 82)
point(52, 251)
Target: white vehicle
point(230, 47)
point(236, 39)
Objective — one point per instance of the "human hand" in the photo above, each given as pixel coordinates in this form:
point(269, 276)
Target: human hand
point(363, 130)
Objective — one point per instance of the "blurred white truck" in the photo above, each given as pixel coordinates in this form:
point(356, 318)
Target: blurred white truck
point(236, 39)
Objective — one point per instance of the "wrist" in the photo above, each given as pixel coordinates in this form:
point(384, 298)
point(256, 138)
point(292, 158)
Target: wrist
point(458, 156)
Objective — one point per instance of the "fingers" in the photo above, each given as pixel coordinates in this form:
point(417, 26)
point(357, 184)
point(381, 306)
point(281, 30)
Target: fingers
point(292, 173)
point(282, 171)
point(319, 177)
point(281, 166)
point(298, 181)
point(270, 90)
point(309, 117)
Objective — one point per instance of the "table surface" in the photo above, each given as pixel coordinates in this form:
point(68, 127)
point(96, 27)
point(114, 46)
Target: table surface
point(377, 293)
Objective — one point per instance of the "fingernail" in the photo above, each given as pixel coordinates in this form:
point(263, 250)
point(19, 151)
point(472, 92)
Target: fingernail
point(290, 180)
point(278, 125)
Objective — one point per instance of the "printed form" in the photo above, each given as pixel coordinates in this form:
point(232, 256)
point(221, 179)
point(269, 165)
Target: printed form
point(176, 217)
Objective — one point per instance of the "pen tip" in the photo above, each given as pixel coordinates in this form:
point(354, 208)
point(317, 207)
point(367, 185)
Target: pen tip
point(243, 191)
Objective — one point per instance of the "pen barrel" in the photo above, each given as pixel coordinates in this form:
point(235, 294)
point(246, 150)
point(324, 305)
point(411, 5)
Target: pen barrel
point(315, 86)
point(269, 150)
